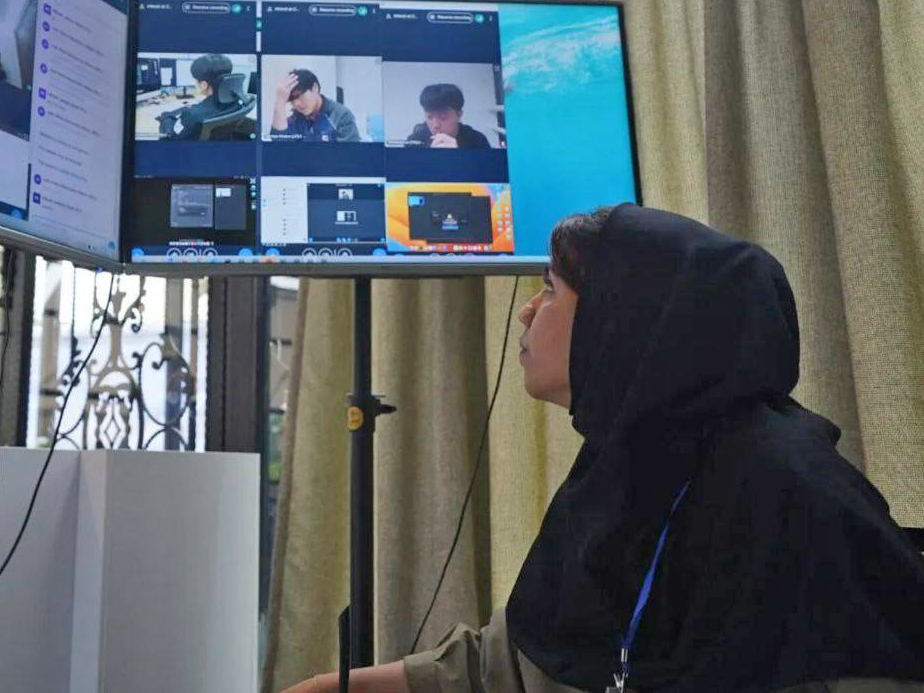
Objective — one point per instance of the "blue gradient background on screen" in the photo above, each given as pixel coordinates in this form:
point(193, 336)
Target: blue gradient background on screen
point(568, 148)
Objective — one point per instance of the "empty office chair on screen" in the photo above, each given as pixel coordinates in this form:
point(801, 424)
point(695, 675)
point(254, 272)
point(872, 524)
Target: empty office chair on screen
point(232, 123)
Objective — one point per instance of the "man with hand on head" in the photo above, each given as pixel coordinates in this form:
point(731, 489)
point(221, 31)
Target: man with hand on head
point(314, 117)
point(444, 129)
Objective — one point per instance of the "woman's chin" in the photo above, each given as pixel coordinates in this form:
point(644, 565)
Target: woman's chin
point(532, 388)
point(527, 384)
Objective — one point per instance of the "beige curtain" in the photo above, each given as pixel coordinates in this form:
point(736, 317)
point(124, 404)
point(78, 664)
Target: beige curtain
point(794, 124)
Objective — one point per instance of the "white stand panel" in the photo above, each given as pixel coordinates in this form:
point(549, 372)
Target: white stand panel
point(37, 589)
point(153, 558)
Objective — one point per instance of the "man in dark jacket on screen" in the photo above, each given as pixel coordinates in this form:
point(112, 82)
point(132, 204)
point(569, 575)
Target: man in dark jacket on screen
point(442, 104)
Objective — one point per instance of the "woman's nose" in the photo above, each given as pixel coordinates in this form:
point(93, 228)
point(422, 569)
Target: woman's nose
point(526, 313)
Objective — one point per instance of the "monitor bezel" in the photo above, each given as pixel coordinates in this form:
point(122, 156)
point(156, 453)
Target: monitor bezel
point(21, 240)
point(384, 269)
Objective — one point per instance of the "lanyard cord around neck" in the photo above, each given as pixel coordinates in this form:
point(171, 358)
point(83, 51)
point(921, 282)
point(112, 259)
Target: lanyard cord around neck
point(623, 665)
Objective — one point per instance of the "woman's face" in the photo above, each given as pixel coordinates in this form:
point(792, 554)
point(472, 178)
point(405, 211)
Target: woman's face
point(545, 347)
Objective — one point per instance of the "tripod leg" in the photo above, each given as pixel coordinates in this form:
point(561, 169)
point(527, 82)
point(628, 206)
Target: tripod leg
point(344, 624)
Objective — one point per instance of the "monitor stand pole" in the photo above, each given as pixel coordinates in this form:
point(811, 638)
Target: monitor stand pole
point(363, 410)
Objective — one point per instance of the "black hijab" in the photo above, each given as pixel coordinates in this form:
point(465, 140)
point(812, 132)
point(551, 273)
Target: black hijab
point(782, 564)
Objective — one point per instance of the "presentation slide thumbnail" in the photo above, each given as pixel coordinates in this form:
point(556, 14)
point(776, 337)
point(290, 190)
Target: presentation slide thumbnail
point(222, 207)
point(326, 210)
point(449, 218)
point(217, 210)
point(346, 213)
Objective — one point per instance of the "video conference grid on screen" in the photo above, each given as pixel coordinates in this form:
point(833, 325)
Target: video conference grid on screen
point(366, 131)
point(297, 130)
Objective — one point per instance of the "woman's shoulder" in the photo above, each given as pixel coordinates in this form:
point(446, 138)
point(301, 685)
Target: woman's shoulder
point(786, 447)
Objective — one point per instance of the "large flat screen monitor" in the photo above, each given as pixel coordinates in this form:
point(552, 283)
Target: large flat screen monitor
point(402, 137)
point(62, 109)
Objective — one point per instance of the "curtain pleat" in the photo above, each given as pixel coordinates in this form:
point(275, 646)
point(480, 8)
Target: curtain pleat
point(867, 61)
point(666, 55)
point(429, 359)
point(310, 577)
point(768, 183)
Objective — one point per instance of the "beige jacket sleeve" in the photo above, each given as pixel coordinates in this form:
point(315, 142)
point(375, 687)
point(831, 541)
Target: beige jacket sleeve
point(858, 686)
point(483, 661)
point(480, 661)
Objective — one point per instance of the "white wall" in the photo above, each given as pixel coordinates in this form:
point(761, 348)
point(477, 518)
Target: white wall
point(137, 572)
point(403, 83)
point(36, 591)
point(181, 551)
point(361, 79)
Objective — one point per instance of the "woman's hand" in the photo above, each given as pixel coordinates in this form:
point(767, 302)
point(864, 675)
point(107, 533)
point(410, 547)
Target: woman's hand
point(326, 683)
point(384, 678)
point(306, 686)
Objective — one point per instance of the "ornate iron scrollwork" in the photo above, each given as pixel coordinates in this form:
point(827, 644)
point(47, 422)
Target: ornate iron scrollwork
point(115, 412)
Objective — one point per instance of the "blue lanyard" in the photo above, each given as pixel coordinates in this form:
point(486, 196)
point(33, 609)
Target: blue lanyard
point(642, 601)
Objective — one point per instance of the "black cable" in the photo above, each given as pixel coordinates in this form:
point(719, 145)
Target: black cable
point(54, 438)
point(7, 306)
point(471, 484)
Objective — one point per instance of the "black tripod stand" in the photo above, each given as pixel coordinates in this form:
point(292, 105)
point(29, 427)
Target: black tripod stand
point(356, 621)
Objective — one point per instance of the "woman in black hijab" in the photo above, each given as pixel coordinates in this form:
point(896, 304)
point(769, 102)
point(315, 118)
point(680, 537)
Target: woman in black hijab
point(708, 536)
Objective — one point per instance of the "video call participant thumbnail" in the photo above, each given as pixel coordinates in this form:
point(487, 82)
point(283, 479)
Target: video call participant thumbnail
point(186, 123)
point(443, 128)
point(313, 117)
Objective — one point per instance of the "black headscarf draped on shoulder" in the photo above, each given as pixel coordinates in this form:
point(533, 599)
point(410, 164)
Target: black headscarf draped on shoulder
point(782, 564)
